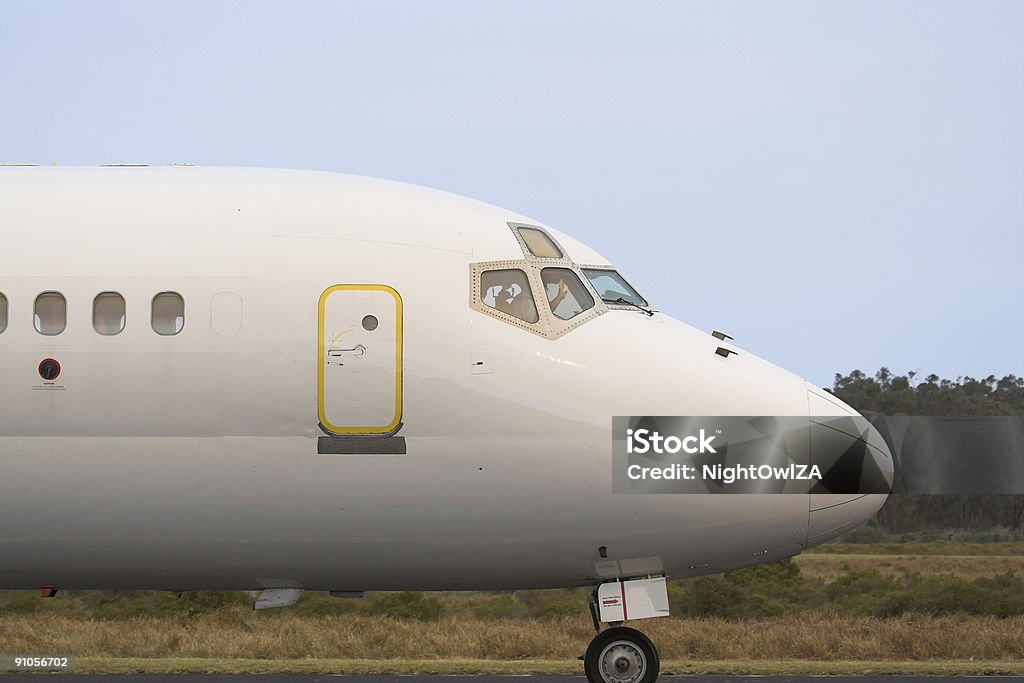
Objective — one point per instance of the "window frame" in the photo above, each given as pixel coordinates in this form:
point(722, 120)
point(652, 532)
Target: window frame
point(548, 325)
point(617, 306)
point(579, 281)
point(528, 253)
point(527, 233)
point(528, 290)
point(124, 312)
point(152, 313)
point(35, 313)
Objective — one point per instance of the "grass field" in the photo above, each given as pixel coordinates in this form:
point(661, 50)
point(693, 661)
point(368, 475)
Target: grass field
point(966, 560)
point(544, 631)
point(920, 548)
point(540, 666)
point(829, 566)
point(236, 634)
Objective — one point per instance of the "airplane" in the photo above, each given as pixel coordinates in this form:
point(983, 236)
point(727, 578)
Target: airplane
point(278, 380)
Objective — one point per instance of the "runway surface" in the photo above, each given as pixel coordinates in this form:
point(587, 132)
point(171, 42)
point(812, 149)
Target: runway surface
point(328, 678)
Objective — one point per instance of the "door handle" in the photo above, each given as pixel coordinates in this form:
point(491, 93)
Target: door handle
point(357, 351)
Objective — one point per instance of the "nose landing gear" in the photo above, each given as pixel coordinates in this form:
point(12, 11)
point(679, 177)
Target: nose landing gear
point(621, 655)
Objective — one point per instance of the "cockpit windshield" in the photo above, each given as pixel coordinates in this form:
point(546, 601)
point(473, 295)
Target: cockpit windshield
point(612, 288)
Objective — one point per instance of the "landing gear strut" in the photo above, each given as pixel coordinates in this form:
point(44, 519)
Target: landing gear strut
point(621, 655)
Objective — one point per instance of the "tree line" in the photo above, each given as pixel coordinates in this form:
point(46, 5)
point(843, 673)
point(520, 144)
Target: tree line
point(889, 394)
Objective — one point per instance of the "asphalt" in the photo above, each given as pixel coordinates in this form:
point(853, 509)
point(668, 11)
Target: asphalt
point(329, 678)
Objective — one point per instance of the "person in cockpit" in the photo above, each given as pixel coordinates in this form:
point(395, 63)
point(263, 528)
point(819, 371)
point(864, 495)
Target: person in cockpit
point(560, 294)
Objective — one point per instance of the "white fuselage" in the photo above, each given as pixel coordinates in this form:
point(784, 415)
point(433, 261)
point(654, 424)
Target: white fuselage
point(191, 461)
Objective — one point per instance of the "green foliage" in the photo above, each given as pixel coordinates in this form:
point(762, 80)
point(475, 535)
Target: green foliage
point(778, 588)
point(317, 604)
point(19, 602)
point(201, 602)
point(710, 595)
point(498, 606)
point(868, 533)
point(111, 604)
point(869, 592)
point(888, 394)
point(407, 605)
point(758, 592)
point(762, 591)
point(554, 604)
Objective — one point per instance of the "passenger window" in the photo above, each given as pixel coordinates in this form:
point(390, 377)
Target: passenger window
point(566, 294)
point(3, 313)
point(539, 244)
point(51, 313)
point(108, 313)
point(508, 291)
point(168, 313)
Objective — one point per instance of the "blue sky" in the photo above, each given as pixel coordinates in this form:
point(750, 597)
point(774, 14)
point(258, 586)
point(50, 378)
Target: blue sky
point(837, 185)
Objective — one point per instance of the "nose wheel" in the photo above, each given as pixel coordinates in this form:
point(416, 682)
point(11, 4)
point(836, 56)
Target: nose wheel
point(621, 655)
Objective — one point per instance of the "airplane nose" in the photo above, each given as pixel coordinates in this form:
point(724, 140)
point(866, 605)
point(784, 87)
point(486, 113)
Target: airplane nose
point(855, 463)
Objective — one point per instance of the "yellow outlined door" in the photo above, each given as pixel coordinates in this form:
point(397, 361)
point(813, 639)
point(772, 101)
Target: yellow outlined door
point(359, 359)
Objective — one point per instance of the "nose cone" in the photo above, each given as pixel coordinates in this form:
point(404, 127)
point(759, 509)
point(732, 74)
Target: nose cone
point(855, 464)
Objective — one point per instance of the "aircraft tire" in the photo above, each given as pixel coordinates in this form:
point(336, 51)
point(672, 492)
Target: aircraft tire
point(621, 655)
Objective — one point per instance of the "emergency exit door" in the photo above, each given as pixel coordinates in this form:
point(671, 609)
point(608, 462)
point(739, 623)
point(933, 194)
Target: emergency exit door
point(359, 356)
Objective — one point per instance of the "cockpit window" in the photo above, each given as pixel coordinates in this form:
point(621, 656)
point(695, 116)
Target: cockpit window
point(565, 293)
point(508, 291)
point(539, 244)
point(612, 288)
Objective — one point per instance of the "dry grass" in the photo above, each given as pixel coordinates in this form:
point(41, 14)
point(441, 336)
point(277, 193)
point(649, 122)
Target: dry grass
point(236, 640)
point(542, 666)
point(236, 634)
point(921, 548)
point(828, 567)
